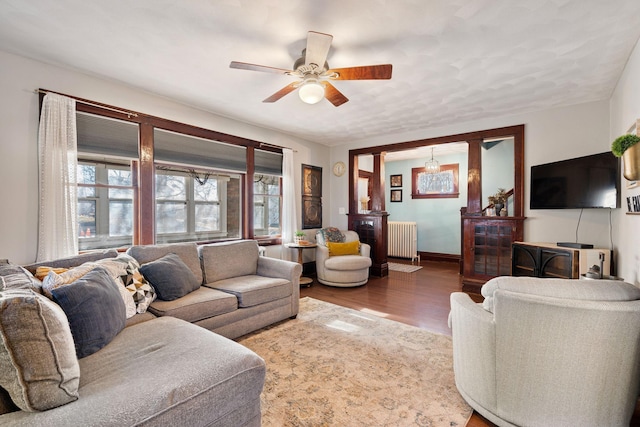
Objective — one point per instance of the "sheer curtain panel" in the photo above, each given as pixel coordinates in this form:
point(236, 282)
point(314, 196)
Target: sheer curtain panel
point(58, 160)
point(288, 200)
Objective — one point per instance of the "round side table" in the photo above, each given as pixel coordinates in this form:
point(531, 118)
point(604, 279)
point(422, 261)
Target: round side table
point(304, 281)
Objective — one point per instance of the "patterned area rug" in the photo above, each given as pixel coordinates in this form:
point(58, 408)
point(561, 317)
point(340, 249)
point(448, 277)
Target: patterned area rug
point(405, 268)
point(333, 366)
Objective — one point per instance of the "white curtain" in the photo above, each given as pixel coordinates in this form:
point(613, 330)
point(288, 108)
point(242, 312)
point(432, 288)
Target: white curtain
point(58, 158)
point(288, 200)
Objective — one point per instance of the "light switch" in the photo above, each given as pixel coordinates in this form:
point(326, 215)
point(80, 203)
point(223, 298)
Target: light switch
point(341, 211)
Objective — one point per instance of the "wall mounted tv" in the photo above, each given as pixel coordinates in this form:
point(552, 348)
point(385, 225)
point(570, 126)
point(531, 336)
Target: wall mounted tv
point(584, 182)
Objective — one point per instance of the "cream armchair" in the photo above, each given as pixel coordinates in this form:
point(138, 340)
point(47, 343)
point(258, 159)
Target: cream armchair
point(549, 352)
point(343, 270)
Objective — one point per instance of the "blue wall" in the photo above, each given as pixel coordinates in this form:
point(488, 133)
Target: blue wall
point(438, 219)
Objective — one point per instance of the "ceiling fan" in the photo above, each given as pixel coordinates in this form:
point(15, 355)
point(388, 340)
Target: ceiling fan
point(314, 73)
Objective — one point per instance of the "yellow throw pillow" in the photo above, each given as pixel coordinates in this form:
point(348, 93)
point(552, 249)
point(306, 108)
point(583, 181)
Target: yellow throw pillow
point(41, 272)
point(349, 248)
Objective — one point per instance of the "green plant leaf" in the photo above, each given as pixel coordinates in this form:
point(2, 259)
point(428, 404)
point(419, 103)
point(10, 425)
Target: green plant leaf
point(622, 143)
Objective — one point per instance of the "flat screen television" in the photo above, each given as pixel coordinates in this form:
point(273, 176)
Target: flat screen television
point(584, 182)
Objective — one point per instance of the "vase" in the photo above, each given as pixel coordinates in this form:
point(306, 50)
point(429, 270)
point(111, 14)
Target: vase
point(498, 207)
point(631, 161)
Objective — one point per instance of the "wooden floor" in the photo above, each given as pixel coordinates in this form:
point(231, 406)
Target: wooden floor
point(420, 299)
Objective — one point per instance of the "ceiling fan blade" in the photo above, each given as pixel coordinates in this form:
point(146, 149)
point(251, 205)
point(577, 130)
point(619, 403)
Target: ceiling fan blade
point(367, 72)
point(282, 92)
point(254, 67)
point(334, 95)
point(318, 45)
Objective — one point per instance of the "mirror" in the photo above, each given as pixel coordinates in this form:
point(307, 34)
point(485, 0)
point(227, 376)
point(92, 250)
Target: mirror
point(498, 170)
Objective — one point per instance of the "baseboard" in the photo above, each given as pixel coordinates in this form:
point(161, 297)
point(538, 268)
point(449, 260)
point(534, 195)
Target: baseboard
point(434, 256)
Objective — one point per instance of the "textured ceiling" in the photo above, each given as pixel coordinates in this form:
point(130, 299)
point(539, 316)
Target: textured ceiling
point(453, 60)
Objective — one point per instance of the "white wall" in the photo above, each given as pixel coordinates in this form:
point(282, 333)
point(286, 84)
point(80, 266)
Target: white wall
point(19, 128)
point(625, 110)
point(550, 135)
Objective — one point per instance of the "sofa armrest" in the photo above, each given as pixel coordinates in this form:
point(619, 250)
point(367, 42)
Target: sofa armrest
point(273, 267)
point(474, 350)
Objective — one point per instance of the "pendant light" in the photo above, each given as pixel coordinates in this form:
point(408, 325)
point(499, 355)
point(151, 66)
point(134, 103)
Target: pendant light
point(432, 166)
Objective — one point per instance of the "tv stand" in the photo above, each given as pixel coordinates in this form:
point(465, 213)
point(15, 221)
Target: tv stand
point(551, 260)
point(575, 245)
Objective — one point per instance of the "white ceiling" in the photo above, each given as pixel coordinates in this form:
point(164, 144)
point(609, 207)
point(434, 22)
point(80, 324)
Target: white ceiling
point(453, 60)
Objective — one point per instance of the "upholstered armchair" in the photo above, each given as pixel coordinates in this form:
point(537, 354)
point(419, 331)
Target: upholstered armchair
point(341, 261)
point(549, 352)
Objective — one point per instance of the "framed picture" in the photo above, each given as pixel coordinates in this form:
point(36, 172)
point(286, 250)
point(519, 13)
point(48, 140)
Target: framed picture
point(435, 185)
point(311, 181)
point(396, 180)
point(396, 195)
point(311, 212)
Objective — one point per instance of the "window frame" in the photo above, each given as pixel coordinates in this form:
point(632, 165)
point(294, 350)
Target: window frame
point(143, 168)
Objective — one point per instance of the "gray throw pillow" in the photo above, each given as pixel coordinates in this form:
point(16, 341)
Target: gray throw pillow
point(38, 364)
point(95, 310)
point(170, 277)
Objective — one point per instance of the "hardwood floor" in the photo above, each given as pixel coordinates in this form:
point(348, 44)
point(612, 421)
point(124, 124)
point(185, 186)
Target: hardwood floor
point(420, 299)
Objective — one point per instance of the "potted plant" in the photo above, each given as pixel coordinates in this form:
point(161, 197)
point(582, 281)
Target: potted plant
point(299, 236)
point(626, 146)
point(498, 200)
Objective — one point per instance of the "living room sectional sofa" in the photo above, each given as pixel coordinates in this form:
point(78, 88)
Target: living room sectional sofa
point(161, 369)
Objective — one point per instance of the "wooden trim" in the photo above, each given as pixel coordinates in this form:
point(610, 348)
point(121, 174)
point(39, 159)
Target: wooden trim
point(482, 134)
point(248, 202)
point(146, 186)
point(434, 256)
point(474, 176)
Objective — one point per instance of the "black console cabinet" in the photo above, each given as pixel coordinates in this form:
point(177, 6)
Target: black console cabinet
point(549, 260)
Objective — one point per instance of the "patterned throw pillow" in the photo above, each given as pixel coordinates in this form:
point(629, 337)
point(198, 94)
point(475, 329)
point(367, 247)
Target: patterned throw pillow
point(143, 293)
point(331, 234)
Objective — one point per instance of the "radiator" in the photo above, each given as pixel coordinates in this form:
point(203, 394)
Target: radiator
point(403, 240)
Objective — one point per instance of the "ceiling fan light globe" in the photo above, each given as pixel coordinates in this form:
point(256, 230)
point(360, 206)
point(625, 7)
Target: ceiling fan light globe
point(311, 92)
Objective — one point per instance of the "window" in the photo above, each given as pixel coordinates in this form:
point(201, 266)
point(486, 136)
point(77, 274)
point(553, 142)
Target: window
point(196, 206)
point(266, 205)
point(105, 205)
point(113, 153)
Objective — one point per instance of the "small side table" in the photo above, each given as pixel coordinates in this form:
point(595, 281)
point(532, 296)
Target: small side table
point(304, 281)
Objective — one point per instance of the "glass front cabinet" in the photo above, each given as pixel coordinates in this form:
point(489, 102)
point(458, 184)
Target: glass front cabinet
point(487, 248)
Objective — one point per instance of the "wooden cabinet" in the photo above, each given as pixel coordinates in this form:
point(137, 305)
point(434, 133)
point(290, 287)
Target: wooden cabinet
point(486, 248)
point(549, 260)
point(372, 230)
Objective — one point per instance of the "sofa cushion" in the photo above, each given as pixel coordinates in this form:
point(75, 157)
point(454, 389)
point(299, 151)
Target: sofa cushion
point(340, 249)
point(348, 262)
point(75, 260)
point(94, 308)
point(230, 259)
point(589, 290)
point(17, 277)
point(253, 290)
point(188, 253)
point(38, 364)
point(164, 372)
point(170, 277)
point(197, 305)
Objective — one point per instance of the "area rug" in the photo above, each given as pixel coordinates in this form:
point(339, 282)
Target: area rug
point(405, 268)
point(334, 366)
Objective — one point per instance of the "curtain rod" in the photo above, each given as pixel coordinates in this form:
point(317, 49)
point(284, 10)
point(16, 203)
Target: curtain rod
point(93, 104)
point(276, 146)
